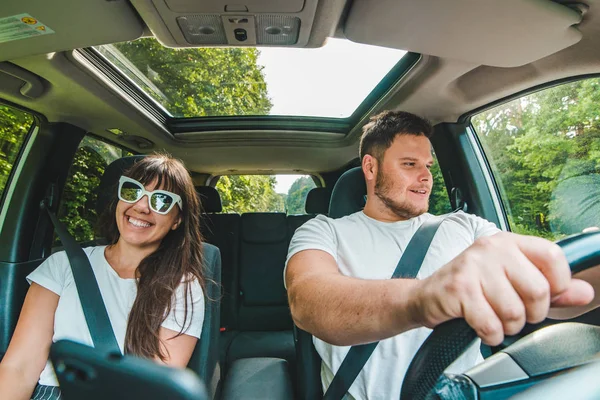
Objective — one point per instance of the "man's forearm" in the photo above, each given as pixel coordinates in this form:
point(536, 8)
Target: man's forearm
point(347, 311)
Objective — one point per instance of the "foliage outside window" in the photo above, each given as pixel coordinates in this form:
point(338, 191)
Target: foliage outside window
point(14, 126)
point(439, 201)
point(200, 82)
point(295, 199)
point(194, 82)
point(78, 202)
point(256, 193)
point(544, 150)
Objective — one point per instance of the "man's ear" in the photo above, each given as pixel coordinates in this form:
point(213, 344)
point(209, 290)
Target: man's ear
point(176, 224)
point(369, 167)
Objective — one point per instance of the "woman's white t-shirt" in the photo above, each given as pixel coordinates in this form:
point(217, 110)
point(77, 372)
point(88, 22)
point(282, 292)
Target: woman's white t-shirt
point(118, 294)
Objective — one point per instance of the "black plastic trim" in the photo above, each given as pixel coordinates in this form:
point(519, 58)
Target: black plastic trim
point(203, 124)
point(122, 82)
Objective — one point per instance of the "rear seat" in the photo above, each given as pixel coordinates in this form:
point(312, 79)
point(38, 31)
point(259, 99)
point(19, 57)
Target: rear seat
point(255, 313)
point(264, 320)
point(223, 231)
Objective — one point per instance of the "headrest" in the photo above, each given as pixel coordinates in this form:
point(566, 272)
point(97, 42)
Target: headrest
point(317, 201)
point(210, 199)
point(110, 180)
point(348, 194)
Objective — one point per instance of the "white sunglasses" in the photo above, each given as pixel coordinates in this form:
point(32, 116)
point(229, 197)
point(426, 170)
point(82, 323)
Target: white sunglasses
point(161, 201)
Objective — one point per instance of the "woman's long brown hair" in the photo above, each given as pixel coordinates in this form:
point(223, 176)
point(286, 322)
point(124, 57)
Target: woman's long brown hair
point(178, 259)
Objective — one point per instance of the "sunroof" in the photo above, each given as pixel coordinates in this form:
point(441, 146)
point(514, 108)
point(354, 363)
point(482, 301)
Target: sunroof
point(331, 81)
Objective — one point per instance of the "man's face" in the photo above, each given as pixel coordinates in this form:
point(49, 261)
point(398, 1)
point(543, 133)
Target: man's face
point(403, 182)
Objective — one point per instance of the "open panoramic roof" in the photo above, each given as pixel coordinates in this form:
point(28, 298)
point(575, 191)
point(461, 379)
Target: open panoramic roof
point(331, 82)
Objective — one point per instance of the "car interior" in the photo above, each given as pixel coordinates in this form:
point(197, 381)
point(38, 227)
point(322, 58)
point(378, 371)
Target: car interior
point(76, 80)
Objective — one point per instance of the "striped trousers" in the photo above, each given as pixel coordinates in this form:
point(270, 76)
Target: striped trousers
point(43, 392)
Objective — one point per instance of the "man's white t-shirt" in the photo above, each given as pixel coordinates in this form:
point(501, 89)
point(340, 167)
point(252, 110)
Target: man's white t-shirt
point(118, 294)
point(370, 249)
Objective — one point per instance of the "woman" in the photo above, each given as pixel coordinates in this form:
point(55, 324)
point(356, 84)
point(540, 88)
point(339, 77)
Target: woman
point(150, 277)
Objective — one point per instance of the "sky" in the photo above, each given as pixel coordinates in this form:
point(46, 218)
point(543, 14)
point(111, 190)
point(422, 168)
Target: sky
point(284, 182)
point(330, 81)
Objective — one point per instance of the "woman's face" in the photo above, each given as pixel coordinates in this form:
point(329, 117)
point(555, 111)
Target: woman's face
point(140, 226)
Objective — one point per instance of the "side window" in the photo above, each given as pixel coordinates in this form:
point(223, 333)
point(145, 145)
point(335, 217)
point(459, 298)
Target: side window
point(439, 201)
point(14, 127)
point(264, 193)
point(544, 151)
point(78, 202)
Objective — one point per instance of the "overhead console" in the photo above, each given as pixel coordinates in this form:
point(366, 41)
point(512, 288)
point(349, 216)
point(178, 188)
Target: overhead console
point(187, 23)
point(506, 33)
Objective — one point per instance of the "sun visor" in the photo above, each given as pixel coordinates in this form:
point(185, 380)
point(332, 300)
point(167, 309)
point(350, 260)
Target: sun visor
point(506, 33)
point(191, 23)
point(42, 26)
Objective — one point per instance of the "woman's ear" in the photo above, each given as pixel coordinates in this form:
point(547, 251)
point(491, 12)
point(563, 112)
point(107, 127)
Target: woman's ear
point(176, 224)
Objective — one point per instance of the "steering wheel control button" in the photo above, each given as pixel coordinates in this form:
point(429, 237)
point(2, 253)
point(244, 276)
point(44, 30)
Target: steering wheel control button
point(496, 370)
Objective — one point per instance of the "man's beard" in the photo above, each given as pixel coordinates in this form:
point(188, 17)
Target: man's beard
point(404, 209)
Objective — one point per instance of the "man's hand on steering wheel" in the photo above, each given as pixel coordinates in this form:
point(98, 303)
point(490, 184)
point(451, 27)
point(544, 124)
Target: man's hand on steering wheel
point(498, 284)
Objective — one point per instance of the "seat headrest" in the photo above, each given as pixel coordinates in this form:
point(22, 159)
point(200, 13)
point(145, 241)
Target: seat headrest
point(110, 180)
point(348, 194)
point(210, 199)
point(317, 201)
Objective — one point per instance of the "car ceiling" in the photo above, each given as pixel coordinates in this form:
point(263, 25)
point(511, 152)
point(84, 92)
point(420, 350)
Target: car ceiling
point(473, 53)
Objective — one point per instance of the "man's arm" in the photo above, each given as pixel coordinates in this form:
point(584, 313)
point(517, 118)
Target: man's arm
point(346, 311)
point(496, 285)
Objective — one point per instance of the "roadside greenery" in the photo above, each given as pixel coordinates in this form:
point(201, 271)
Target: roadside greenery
point(544, 149)
point(296, 196)
point(14, 126)
point(249, 193)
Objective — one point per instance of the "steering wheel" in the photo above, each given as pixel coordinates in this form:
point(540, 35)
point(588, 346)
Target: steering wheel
point(450, 339)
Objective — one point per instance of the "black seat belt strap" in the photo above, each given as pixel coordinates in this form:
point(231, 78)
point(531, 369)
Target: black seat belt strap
point(90, 297)
point(408, 267)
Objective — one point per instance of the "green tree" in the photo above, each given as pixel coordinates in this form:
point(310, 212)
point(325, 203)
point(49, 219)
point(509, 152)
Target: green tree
point(14, 126)
point(197, 82)
point(536, 142)
point(296, 196)
point(439, 202)
point(249, 193)
point(78, 201)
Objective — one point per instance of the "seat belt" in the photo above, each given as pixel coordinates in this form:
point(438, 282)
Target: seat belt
point(408, 267)
point(96, 316)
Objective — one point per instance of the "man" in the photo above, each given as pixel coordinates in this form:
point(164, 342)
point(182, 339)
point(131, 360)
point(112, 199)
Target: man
point(338, 271)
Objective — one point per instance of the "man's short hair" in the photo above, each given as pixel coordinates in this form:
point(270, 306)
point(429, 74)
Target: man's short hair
point(382, 129)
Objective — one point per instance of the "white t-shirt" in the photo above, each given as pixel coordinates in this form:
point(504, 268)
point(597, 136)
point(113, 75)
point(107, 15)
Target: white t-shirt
point(118, 294)
point(370, 249)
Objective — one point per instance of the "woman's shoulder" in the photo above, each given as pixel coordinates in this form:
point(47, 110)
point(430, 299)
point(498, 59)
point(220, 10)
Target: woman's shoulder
point(211, 253)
